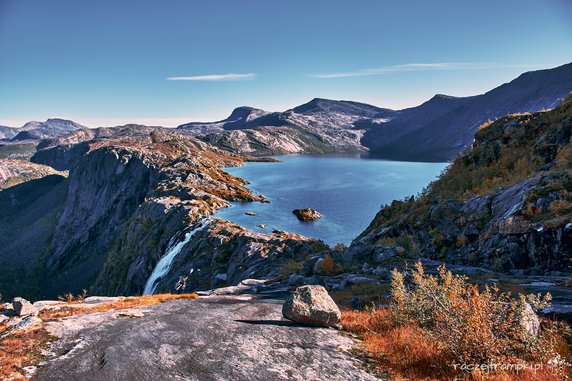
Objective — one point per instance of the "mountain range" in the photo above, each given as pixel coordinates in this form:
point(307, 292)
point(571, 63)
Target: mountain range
point(436, 130)
point(33, 130)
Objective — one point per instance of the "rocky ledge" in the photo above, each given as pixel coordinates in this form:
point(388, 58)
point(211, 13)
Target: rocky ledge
point(224, 254)
point(13, 172)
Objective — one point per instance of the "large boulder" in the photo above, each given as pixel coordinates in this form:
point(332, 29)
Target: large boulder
point(307, 214)
point(22, 307)
point(312, 305)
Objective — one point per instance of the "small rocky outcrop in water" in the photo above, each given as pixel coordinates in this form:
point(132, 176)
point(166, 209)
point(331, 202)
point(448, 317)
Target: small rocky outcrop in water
point(307, 214)
point(312, 305)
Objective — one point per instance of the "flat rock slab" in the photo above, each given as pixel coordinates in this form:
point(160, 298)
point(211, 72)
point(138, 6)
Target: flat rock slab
point(213, 338)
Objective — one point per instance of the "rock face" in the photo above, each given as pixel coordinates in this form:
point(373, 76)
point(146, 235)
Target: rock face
point(224, 254)
point(312, 305)
point(107, 225)
point(505, 205)
point(22, 307)
point(437, 130)
point(307, 214)
point(232, 338)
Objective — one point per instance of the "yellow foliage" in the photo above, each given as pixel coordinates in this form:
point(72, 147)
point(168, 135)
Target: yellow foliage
point(328, 263)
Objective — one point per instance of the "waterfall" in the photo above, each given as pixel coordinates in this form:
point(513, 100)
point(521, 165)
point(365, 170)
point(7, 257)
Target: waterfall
point(164, 264)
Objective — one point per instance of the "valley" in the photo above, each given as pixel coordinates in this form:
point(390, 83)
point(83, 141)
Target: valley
point(97, 209)
point(138, 210)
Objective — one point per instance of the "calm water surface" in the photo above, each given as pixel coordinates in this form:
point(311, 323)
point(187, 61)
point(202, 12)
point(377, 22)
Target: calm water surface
point(348, 191)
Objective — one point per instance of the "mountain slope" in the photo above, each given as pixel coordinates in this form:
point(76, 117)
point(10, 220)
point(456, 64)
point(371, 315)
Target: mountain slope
point(506, 204)
point(14, 172)
point(319, 126)
point(436, 130)
point(7, 133)
point(442, 127)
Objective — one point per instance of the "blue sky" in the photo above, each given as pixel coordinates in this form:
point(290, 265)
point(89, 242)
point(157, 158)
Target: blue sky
point(167, 62)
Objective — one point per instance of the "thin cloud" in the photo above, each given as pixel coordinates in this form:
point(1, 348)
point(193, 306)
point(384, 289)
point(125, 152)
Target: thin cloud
point(215, 77)
point(419, 67)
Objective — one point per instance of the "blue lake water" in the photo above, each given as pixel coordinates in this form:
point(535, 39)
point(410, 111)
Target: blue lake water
point(347, 191)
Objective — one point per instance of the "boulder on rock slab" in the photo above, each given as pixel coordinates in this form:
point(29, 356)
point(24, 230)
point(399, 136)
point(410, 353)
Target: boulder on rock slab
point(22, 307)
point(312, 305)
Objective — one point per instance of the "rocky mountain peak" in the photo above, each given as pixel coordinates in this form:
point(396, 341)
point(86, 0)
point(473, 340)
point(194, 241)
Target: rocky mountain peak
point(340, 107)
point(245, 114)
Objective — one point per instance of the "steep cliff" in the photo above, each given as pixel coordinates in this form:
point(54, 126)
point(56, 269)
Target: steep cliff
point(125, 199)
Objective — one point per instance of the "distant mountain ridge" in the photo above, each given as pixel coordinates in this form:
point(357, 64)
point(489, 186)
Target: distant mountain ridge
point(34, 130)
point(436, 130)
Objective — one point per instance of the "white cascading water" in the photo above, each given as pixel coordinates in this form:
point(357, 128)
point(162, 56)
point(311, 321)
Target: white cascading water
point(164, 264)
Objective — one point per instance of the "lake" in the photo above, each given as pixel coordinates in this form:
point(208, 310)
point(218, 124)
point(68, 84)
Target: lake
point(347, 191)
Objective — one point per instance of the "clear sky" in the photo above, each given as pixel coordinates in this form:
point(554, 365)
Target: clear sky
point(164, 62)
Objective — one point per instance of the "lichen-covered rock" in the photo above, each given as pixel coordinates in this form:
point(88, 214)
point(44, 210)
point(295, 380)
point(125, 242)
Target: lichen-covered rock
point(22, 307)
point(307, 214)
point(312, 305)
point(19, 324)
point(529, 321)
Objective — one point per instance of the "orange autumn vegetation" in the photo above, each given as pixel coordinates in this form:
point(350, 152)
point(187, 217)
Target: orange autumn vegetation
point(129, 302)
point(415, 338)
point(21, 349)
point(24, 348)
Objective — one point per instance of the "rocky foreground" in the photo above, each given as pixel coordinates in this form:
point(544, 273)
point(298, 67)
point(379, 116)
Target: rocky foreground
point(216, 337)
